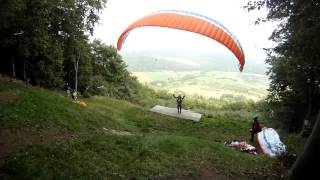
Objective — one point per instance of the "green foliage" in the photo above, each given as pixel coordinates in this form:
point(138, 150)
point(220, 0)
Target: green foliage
point(40, 40)
point(110, 76)
point(295, 67)
point(108, 63)
point(47, 42)
point(227, 106)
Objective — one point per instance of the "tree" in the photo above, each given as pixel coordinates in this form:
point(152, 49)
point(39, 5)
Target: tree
point(294, 70)
point(78, 17)
point(38, 36)
point(108, 64)
point(305, 166)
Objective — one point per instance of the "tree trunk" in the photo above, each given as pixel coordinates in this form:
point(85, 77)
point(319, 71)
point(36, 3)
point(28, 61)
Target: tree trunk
point(306, 166)
point(76, 66)
point(13, 68)
point(24, 70)
point(307, 122)
point(75, 75)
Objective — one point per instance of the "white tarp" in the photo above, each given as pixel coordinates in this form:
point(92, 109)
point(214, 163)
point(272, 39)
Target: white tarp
point(185, 114)
point(270, 142)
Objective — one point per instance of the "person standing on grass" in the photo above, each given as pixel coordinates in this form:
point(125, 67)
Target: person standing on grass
point(179, 100)
point(255, 128)
point(67, 88)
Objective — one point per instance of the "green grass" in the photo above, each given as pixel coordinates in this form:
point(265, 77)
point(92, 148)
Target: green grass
point(160, 148)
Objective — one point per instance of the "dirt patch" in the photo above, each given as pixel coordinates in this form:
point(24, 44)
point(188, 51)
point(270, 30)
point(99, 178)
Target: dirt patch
point(11, 139)
point(116, 132)
point(7, 97)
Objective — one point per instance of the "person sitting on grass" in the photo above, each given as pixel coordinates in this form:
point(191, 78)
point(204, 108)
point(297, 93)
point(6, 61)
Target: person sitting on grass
point(179, 100)
point(255, 128)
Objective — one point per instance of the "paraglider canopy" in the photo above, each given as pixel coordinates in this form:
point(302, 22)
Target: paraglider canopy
point(191, 22)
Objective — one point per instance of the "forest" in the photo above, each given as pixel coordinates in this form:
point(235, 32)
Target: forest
point(48, 44)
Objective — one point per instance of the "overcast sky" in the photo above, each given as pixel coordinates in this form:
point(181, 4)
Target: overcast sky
point(121, 13)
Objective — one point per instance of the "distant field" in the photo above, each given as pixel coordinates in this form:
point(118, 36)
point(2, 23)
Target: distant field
point(209, 84)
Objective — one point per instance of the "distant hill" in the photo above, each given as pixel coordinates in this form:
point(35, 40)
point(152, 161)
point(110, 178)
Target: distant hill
point(214, 84)
point(175, 60)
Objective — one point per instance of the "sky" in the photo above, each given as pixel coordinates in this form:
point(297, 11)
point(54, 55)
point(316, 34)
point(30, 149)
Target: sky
point(119, 14)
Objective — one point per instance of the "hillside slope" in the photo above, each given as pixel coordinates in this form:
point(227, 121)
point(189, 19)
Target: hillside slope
point(45, 135)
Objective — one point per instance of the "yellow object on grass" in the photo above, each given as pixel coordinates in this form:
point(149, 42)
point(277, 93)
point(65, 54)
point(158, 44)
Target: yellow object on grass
point(83, 104)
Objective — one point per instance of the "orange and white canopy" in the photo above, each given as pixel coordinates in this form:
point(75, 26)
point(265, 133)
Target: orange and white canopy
point(191, 22)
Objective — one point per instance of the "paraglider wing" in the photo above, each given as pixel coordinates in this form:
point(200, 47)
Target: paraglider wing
point(191, 22)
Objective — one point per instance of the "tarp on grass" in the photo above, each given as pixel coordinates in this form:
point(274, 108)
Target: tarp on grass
point(185, 114)
point(270, 143)
point(242, 146)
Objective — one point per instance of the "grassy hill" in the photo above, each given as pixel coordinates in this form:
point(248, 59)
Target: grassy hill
point(44, 135)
